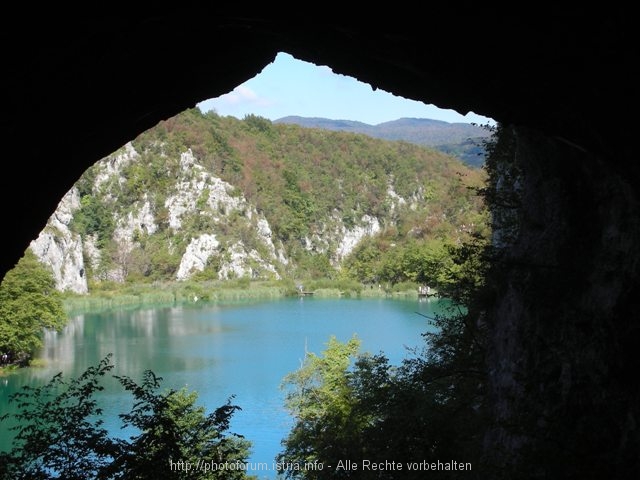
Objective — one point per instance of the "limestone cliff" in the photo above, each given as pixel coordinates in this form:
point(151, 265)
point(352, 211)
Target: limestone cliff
point(61, 248)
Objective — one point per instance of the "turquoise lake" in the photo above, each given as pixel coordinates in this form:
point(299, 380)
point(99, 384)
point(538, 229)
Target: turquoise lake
point(242, 350)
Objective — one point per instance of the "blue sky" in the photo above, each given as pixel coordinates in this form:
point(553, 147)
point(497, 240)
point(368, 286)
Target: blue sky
point(292, 87)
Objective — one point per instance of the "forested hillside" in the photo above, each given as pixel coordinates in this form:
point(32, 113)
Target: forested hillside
point(210, 197)
point(463, 140)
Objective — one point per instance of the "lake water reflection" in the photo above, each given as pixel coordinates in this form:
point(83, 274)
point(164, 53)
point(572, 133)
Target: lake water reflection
point(242, 350)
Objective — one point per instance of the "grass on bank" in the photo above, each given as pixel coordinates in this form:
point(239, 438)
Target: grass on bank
point(110, 295)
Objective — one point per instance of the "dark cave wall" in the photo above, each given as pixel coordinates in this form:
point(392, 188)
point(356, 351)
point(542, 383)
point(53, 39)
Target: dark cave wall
point(564, 334)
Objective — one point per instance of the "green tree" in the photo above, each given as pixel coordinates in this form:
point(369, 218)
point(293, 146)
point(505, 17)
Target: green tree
point(173, 433)
point(364, 262)
point(355, 406)
point(319, 396)
point(423, 261)
point(258, 123)
point(29, 303)
point(94, 218)
point(59, 433)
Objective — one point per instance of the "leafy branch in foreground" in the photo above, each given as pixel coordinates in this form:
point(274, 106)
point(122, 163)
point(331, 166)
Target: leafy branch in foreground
point(60, 433)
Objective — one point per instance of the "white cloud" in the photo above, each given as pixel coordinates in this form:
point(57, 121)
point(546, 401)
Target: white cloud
point(243, 95)
point(239, 95)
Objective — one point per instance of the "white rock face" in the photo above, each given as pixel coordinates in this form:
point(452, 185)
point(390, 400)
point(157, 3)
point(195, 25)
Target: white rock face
point(141, 219)
point(112, 167)
point(396, 200)
point(335, 231)
point(350, 238)
point(60, 248)
point(189, 192)
point(196, 256)
point(263, 229)
point(238, 264)
point(220, 202)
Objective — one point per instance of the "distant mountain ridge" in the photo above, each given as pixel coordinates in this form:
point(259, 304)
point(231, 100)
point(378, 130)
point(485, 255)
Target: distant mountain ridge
point(463, 140)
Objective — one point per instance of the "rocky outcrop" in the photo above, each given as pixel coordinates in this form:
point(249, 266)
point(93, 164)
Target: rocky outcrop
point(209, 196)
point(61, 249)
point(239, 263)
point(196, 181)
point(351, 237)
point(197, 255)
point(113, 166)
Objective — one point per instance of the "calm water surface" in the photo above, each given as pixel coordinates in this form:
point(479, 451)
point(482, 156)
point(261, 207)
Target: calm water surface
point(241, 350)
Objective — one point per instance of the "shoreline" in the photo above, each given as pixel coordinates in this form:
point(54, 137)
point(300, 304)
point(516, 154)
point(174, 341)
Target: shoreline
point(143, 295)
